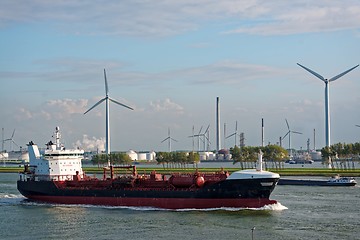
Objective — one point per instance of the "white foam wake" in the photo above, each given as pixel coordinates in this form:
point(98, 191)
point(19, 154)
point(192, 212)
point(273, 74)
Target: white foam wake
point(10, 199)
point(271, 207)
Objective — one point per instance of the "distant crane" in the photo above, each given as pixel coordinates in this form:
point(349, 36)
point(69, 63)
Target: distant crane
point(327, 111)
point(169, 138)
point(242, 139)
point(289, 133)
point(107, 100)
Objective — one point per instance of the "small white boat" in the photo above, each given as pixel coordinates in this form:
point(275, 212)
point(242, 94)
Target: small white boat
point(341, 181)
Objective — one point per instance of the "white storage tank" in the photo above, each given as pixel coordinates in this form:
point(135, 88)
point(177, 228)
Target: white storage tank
point(315, 155)
point(150, 156)
point(212, 156)
point(132, 154)
point(141, 156)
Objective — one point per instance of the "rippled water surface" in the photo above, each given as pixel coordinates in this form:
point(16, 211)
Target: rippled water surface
point(302, 213)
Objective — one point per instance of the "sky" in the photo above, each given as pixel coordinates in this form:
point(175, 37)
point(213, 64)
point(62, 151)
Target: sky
point(170, 60)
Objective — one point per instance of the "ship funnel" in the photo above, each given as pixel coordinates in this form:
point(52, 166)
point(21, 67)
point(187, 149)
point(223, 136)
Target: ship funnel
point(34, 152)
point(260, 161)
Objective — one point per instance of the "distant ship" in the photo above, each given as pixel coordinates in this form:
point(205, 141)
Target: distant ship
point(57, 177)
point(336, 181)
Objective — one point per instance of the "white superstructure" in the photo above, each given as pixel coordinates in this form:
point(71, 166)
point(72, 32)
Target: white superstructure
point(255, 173)
point(56, 163)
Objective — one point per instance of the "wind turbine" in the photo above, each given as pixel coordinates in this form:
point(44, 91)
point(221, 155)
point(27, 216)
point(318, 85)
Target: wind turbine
point(11, 140)
point(289, 133)
point(3, 141)
point(327, 111)
point(107, 124)
point(205, 137)
point(235, 133)
point(198, 136)
point(169, 138)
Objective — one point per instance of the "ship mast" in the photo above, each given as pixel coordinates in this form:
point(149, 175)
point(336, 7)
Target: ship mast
point(57, 137)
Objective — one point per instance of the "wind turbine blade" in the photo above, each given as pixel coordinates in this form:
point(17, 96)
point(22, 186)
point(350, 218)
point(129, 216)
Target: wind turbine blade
point(173, 139)
point(230, 135)
point(95, 105)
point(312, 72)
point(287, 124)
point(200, 130)
point(13, 134)
point(106, 84)
point(342, 74)
point(357, 125)
point(207, 129)
point(296, 132)
point(286, 134)
point(15, 143)
point(114, 101)
point(165, 139)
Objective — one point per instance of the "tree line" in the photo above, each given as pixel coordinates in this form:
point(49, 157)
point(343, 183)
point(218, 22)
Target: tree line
point(177, 159)
point(115, 159)
point(274, 156)
point(341, 155)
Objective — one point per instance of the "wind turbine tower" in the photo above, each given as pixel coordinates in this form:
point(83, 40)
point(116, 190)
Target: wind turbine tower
point(107, 100)
point(327, 111)
point(314, 140)
point(217, 125)
point(3, 141)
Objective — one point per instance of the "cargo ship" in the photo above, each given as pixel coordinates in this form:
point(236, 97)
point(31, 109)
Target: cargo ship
point(56, 176)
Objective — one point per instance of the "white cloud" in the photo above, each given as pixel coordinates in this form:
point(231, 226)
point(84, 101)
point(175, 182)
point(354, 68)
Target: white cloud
point(136, 18)
point(24, 114)
point(166, 105)
point(91, 144)
point(226, 73)
point(68, 106)
point(285, 17)
point(54, 109)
